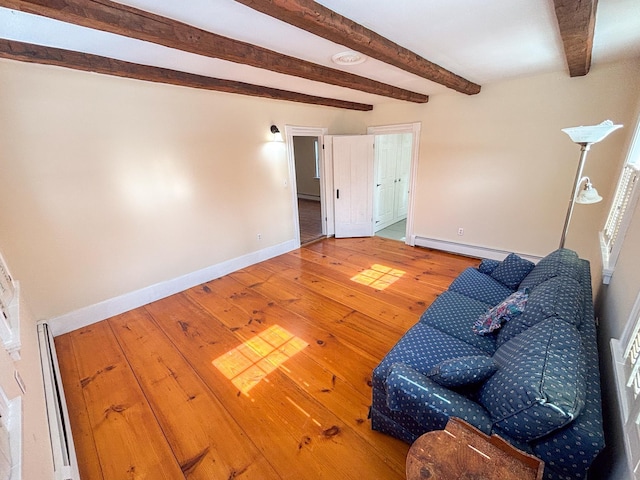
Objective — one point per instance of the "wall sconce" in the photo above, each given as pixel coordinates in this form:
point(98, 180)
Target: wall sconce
point(277, 136)
point(585, 137)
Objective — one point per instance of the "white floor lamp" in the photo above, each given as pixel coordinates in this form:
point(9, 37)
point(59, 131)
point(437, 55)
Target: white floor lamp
point(585, 137)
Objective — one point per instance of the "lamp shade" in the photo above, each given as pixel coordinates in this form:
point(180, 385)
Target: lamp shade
point(591, 133)
point(588, 194)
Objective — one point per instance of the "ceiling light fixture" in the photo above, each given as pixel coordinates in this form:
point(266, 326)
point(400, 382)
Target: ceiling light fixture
point(348, 58)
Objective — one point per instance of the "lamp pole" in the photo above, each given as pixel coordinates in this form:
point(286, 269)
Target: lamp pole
point(584, 149)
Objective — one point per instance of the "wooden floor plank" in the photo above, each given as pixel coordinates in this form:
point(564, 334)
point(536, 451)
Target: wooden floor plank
point(393, 295)
point(327, 349)
point(81, 430)
point(129, 441)
point(405, 313)
point(409, 280)
point(292, 427)
point(206, 441)
point(264, 373)
point(360, 331)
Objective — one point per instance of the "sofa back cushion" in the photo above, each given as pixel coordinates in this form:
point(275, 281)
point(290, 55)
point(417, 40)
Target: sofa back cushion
point(512, 270)
point(479, 286)
point(559, 297)
point(562, 262)
point(540, 384)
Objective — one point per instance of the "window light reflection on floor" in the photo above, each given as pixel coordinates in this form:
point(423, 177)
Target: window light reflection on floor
point(378, 276)
point(249, 363)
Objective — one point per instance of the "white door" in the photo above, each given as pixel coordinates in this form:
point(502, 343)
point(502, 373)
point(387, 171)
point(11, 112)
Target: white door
point(353, 185)
point(385, 178)
point(392, 167)
point(403, 170)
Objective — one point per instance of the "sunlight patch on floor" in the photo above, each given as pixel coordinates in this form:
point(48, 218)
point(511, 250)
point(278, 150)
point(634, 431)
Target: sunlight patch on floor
point(250, 362)
point(378, 276)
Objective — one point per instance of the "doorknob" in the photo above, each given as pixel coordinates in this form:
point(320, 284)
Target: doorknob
point(378, 184)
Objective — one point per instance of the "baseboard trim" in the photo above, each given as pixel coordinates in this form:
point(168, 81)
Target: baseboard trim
point(115, 306)
point(468, 250)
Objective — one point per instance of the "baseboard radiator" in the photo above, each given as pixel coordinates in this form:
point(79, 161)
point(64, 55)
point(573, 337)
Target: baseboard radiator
point(65, 464)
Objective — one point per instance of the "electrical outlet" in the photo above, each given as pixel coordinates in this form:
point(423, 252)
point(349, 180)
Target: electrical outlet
point(460, 231)
point(259, 236)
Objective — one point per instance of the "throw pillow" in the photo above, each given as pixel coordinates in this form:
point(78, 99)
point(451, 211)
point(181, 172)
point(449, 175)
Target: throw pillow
point(512, 270)
point(510, 307)
point(461, 371)
point(487, 266)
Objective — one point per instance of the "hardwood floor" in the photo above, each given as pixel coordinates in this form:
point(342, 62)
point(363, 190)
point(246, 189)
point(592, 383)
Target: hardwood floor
point(310, 219)
point(261, 374)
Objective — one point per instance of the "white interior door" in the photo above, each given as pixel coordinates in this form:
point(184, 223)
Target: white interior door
point(403, 171)
point(353, 185)
point(392, 168)
point(384, 168)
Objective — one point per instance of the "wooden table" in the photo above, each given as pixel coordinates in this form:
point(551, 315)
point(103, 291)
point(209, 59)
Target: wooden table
point(461, 451)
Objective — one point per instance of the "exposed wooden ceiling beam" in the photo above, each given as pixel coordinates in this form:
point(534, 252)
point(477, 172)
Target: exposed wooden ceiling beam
point(319, 20)
point(120, 19)
point(577, 20)
point(26, 52)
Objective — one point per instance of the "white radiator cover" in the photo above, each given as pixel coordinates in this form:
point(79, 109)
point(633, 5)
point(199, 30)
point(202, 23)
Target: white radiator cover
point(65, 464)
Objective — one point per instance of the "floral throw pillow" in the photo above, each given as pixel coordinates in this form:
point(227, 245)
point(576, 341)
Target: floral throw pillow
point(510, 307)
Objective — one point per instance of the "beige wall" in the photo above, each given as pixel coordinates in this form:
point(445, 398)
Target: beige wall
point(305, 157)
point(498, 165)
point(112, 185)
point(116, 184)
point(37, 462)
point(613, 308)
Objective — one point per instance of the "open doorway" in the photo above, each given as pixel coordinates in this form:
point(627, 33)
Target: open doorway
point(395, 168)
point(392, 169)
point(307, 173)
point(306, 151)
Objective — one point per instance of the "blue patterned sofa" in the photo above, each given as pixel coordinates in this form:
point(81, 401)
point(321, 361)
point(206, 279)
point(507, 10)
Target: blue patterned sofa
point(534, 381)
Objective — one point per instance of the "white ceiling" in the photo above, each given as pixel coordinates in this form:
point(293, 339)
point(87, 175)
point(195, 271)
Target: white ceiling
point(483, 41)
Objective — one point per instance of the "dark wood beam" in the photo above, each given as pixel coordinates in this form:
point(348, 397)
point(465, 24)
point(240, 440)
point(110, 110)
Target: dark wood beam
point(577, 21)
point(319, 20)
point(120, 19)
point(26, 52)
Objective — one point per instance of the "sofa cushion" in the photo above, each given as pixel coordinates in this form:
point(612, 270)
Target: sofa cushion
point(540, 385)
point(510, 307)
point(487, 266)
point(454, 314)
point(559, 297)
point(562, 262)
point(429, 404)
point(512, 270)
point(479, 286)
point(421, 348)
point(461, 371)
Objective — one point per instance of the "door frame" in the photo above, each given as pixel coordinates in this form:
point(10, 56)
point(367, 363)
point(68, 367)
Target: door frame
point(291, 131)
point(413, 128)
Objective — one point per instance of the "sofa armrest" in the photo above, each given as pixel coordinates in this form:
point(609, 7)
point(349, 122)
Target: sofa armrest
point(430, 404)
